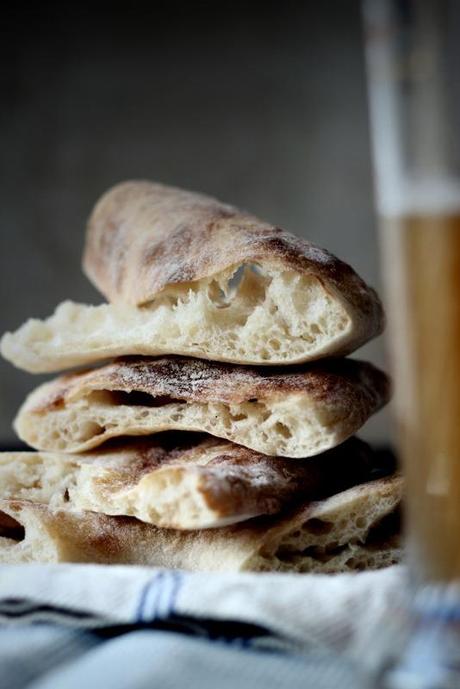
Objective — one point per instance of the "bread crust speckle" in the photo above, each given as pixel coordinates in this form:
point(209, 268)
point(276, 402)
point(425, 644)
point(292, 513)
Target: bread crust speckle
point(181, 378)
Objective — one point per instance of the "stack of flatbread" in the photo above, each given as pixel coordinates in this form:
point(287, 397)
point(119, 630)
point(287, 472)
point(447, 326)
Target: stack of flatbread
point(214, 428)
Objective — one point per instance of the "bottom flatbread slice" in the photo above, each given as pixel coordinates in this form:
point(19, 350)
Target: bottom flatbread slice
point(182, 483)
point(352, 530)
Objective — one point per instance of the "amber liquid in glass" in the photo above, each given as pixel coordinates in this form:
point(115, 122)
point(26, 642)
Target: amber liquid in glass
point(422, 274)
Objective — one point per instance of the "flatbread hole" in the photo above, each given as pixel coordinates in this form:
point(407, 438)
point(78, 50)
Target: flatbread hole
point(384, 529)
point(248, 279)
point(10, 528)
point(136, 398)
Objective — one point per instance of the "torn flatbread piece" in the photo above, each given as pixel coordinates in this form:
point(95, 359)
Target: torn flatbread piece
point(188, 275)
point(352, 530)
point(277, 412)
point(204, 483)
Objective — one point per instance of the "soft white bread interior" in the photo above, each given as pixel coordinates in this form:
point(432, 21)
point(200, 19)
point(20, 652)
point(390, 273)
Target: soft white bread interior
point(247, 314)
point(353, 530)
point(356, 529)
point(205, 483)
point(280, 413)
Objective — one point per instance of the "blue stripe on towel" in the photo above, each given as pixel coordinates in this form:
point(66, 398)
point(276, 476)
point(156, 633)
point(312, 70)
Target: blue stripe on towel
point(150, 595)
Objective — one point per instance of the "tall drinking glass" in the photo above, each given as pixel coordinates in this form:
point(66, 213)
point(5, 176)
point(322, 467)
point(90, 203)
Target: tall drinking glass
point(413, 58)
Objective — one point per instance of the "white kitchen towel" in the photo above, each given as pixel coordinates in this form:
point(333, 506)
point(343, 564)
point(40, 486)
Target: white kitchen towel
point(354, 614)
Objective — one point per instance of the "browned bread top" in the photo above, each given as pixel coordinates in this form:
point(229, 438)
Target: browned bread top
point(169, 379)
point(143, 236)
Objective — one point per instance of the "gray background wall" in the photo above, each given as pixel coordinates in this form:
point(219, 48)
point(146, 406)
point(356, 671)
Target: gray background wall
point(262, 105)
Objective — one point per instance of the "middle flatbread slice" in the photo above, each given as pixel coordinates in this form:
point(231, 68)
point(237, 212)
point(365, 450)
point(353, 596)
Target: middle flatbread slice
point(205, 483)
point(297, 413)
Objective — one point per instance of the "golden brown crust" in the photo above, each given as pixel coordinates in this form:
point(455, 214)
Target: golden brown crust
point(242, 481)
point(236, 481)
point(143, 236)
point(179, 378)
point(66, 536)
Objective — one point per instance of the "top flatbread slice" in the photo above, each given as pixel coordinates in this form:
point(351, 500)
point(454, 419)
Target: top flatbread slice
point(288, 413)
point(186, 274)
point(352, 530)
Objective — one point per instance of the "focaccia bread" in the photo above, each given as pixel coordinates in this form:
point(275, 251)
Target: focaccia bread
point(186, 274)
point(352, 530)
point(197, 484)
point(281, 413)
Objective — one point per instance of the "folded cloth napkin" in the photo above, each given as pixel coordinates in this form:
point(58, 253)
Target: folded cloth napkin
point(349, 617)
